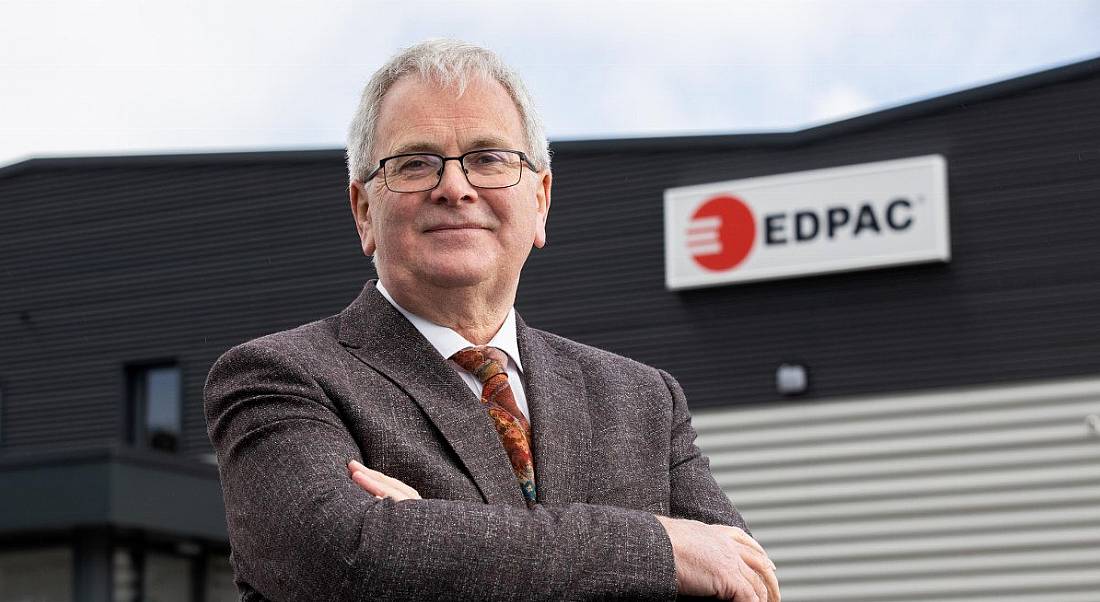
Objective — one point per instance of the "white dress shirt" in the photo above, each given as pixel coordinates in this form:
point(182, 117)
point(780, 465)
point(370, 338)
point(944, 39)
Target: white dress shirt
point(448, 342)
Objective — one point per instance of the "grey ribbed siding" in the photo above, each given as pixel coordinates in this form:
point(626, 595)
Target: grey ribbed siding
point(121, 260)
point(951, 495)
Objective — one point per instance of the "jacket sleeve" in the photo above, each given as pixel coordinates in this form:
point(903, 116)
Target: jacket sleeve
point(694, 492)
point(300, 529)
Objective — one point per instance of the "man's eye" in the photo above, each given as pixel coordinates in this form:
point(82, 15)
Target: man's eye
point(488, 158)
point(415, 165)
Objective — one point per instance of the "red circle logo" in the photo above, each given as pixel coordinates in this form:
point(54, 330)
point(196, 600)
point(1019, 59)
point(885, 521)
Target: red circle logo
point(721, 233)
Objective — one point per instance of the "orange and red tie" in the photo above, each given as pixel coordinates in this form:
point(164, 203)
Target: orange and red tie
point(487, 364)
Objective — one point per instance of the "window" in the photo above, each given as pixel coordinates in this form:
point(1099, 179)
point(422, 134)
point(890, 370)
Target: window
point(155, 406)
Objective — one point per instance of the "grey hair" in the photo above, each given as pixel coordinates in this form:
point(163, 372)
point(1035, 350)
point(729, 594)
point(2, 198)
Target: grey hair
point(445, 62)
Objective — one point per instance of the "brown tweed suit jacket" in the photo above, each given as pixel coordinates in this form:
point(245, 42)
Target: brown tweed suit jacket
point(613, 444)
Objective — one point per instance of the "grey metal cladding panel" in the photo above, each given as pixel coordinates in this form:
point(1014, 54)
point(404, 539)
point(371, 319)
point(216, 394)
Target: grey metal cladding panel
point(103, 487)
point(118, 265)
point(195, 217)
point(37, 498)
point(148, 498)
point(968, 494)
point(1018, 300)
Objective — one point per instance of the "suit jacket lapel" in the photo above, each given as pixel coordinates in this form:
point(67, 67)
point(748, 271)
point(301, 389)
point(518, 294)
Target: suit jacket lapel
point(560, 423)
point(375, 332)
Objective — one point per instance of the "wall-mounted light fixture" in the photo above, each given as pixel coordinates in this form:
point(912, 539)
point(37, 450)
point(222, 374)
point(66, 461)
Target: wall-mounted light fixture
point(791, 379)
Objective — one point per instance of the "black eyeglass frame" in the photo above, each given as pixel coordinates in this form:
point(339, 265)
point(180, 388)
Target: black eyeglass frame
point(382, 165)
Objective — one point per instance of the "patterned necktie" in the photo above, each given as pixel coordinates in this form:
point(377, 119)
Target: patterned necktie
point(487, 364)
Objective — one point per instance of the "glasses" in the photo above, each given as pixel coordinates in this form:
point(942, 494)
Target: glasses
point(485, 168)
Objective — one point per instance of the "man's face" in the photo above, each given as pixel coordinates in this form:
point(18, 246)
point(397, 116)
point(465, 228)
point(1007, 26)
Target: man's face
point(455, 234)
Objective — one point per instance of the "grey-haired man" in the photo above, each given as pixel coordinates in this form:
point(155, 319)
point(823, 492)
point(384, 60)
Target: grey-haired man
point(357, 455)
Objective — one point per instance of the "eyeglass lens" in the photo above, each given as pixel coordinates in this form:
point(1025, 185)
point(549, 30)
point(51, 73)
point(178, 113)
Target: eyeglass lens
point(484, 169)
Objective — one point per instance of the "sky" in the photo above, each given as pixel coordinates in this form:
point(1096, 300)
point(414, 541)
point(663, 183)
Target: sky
point(110, 77)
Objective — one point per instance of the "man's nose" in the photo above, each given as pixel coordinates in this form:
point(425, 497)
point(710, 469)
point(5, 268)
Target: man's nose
point(453, 185)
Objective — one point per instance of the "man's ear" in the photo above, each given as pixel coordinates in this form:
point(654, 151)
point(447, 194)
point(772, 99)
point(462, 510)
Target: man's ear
point(360, 210)
point(542, 196)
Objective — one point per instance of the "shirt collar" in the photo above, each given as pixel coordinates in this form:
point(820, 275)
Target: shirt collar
point(448, 342)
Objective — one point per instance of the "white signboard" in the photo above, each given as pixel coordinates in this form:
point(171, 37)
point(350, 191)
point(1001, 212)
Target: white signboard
point(810, 222)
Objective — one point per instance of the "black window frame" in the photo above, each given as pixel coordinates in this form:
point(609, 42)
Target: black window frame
point(136, 433)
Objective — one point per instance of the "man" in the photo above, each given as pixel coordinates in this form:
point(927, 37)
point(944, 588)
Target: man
point(357, 461)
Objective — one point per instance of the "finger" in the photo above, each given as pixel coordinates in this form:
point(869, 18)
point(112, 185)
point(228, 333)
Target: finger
point(771, 581)
point(745, 538)
point(771, 584)
point(376, 487)
point(409, 492)
point(762, 565)
point(384, 478)
point(745, 591)
point(368, 484)
point(755, 559)
point(391, 487)
point(397, 484)
point(759, 562)
point(755, 582)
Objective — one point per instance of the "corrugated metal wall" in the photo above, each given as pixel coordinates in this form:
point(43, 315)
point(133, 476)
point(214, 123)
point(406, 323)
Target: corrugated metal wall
point(976, 495)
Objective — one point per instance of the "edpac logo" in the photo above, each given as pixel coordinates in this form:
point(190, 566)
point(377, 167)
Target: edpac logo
point(828, 220)
point(721, 233)
point(722, 230)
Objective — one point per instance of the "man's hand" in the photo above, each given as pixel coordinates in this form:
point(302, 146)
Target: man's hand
point(380, 485)
point(716, 560)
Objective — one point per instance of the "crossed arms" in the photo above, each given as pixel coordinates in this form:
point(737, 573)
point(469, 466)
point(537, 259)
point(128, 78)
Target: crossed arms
point(301, 529)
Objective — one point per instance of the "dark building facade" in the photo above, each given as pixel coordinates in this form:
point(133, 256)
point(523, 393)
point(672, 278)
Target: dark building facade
point(123, 278)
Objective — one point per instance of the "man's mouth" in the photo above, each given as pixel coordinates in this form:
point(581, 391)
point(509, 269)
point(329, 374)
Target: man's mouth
point(445, 227)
